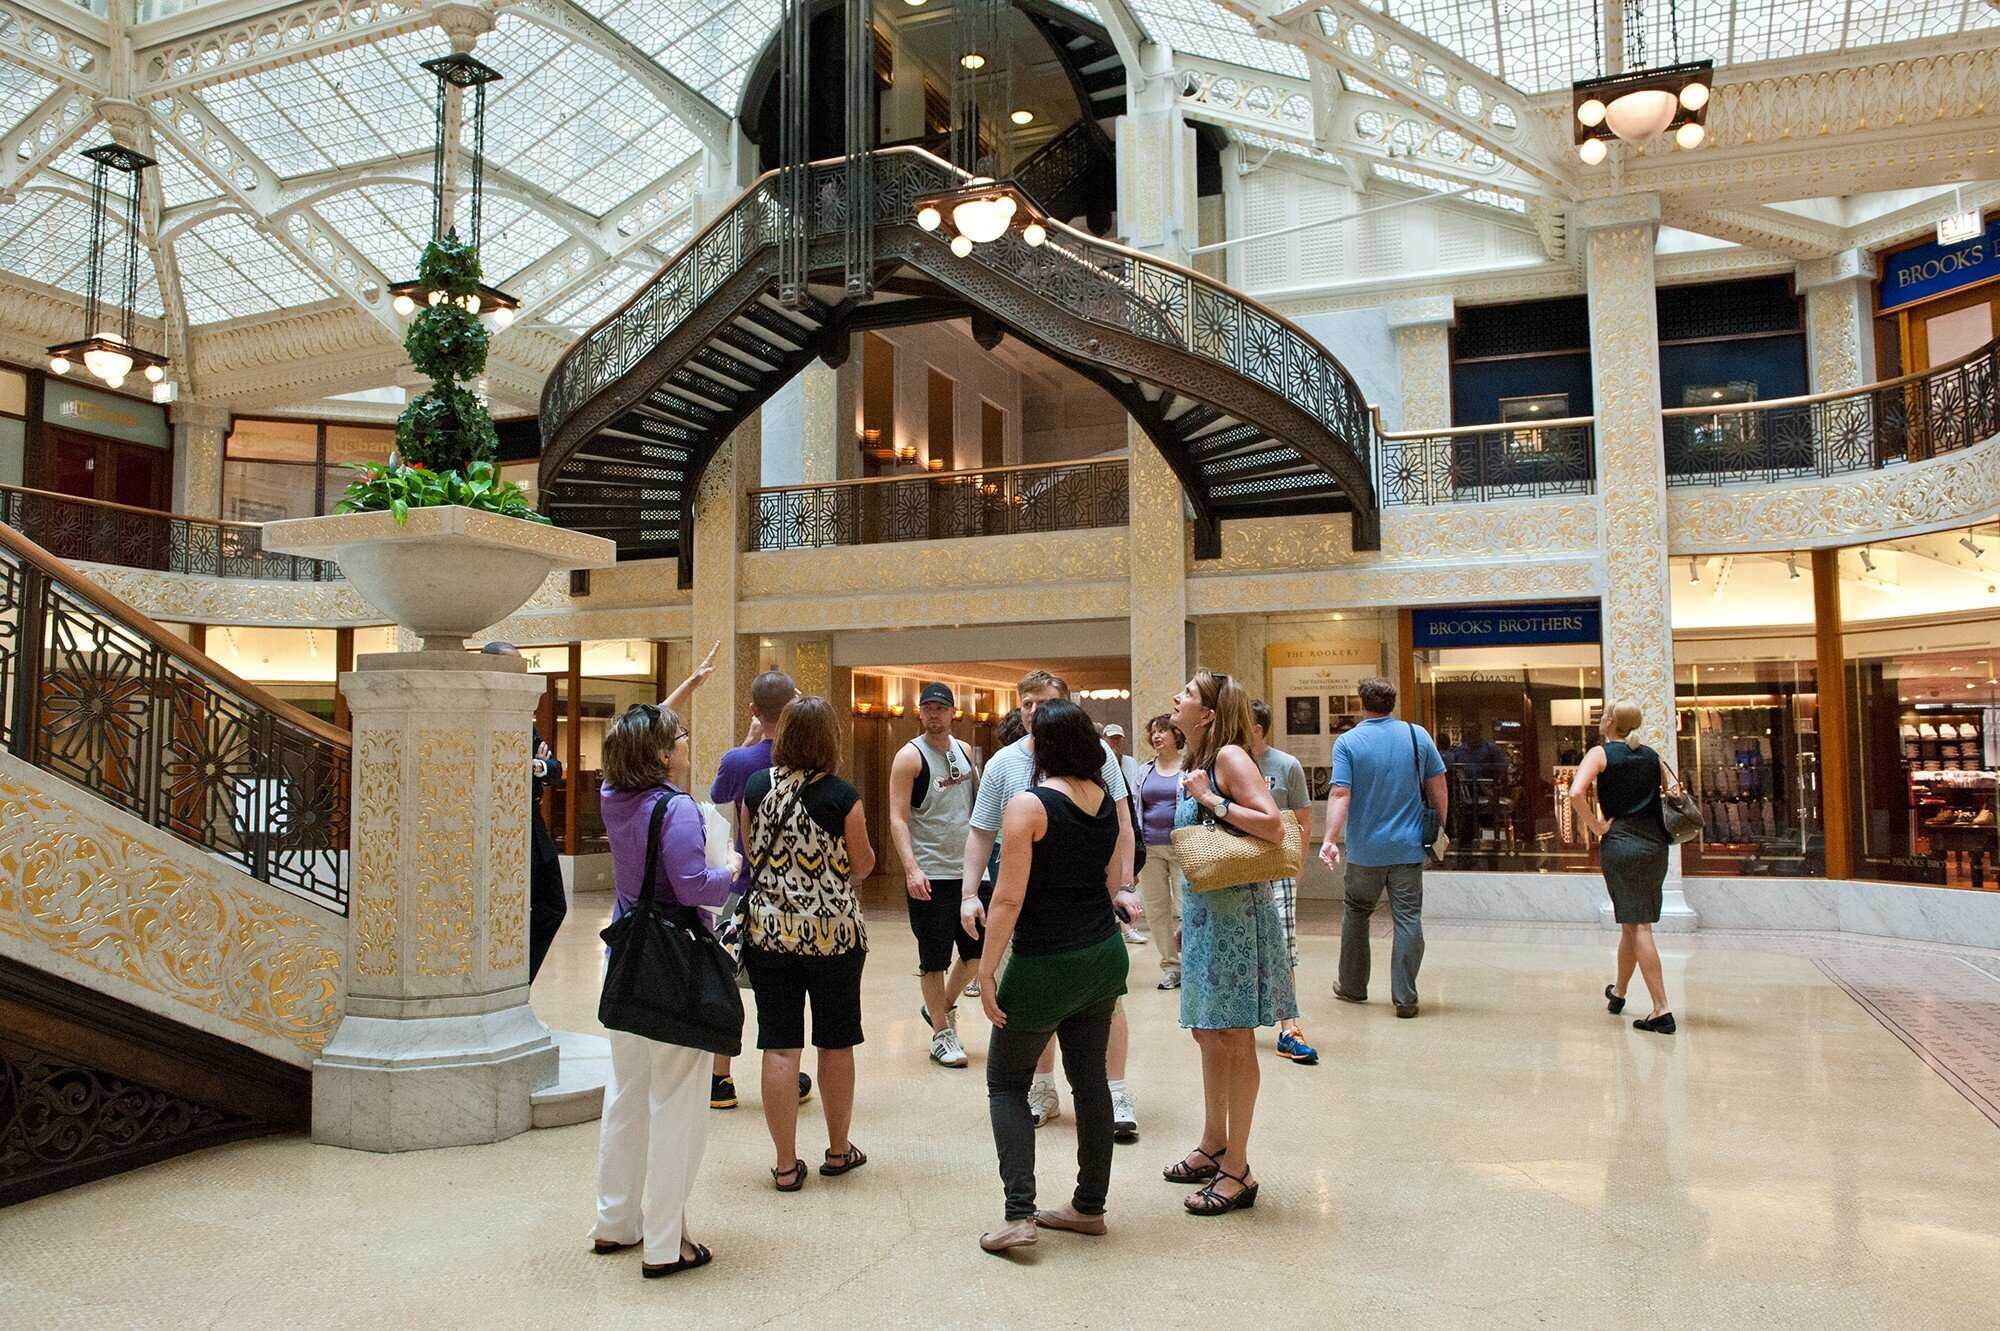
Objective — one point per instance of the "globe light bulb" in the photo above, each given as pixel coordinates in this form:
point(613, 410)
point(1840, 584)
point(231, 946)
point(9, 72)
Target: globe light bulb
point(59, 365)
point(107, 363)
point(1690, 135)
point(961, 245)
point(504, 316)
point(1641, 114)
point(115, 381)
point(1022, 117)
point(1592, 151)
point(972, 60)
point(985, 218)
point(404, 306)
point(1694, 96)
point(154, 374)
point(1034, 233)
point(471, 304)
point(1591, 114)
point(929, 218)
point(436, 299)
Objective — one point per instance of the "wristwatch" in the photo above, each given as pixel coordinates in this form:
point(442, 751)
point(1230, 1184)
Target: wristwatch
point(1221, 811)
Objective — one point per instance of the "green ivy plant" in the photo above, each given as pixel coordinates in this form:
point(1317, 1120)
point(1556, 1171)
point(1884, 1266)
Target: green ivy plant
point(445, 440)
point(397, 488)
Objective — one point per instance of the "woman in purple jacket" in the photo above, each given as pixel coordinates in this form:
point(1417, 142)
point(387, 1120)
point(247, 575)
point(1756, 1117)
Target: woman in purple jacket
point(656, 1102)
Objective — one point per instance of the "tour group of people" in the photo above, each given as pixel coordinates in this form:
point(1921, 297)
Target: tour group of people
point(1025, 878)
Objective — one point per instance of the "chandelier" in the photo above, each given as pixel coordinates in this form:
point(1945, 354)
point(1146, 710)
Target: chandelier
point(984, 208)
point(492, 305)
point(980, 212)
point(1641, 103)
point(109, 353)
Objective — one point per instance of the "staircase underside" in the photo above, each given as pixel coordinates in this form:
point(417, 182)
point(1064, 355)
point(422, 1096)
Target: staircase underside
point(626, 463)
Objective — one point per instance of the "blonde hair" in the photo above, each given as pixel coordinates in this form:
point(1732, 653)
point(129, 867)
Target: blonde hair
point(1624, 716)
point(1231, 705)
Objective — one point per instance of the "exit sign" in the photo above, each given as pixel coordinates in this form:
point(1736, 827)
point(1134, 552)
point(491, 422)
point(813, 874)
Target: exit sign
point(1959, 228)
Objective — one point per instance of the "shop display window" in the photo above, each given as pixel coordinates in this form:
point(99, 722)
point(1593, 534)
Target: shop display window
point(1748, 751)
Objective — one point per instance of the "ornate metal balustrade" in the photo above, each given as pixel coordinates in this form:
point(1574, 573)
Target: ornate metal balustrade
point(1000, 501)
point(1072, 175)
point(1475, 463)
point(100, 696)
point(91, 530)
point(1907, 419)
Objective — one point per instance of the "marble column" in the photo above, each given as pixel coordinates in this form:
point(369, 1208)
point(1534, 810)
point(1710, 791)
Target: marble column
point(821, 440)
point(1618, 235)
point(438, 1045)
point(1422, 333)
point(200, 429)
point(1840, 328)
point(722, 704)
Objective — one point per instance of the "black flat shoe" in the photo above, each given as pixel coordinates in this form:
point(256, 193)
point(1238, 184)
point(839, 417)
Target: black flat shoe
point(1660, 1025)
point(1613, 1003)
point(702, 1257)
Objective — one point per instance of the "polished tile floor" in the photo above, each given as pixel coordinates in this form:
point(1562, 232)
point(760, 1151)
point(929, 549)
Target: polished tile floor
point(1514, 1158)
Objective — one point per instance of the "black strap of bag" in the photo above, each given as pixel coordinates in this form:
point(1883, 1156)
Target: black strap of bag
point(1432, 821)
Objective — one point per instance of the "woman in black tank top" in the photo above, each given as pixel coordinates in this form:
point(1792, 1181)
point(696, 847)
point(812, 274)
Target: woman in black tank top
point(1626, 779)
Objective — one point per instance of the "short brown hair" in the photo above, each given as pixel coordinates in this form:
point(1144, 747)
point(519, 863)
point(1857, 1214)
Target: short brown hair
point(1378, 695)
point(636, 745)
point(1042, 679)
point(1260, 713)
point(1165, 722)
point(769, 693)
point(807, 740)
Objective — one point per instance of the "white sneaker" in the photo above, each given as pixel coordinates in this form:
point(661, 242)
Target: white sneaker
point(1044, 1103)
point(946, 1051)
point(1124, 1119)
point(1132, 935)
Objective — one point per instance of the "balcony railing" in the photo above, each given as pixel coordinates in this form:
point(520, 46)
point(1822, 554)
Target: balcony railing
point(997, 501)
point(102, 533)
point(1478, 463)
point(99, 696)
point(1907, 419)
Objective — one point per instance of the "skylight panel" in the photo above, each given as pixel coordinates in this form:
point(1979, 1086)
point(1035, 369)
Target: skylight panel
point(1205, 29)
point(715, 50)
point(597, 298)
point(229, 271)
point(513, 235)
point(340, 109)
point(20, 92)
point(388, 224)
point(181, 181)
point(1547, 44)
point(45, 237)
point(1777, 29)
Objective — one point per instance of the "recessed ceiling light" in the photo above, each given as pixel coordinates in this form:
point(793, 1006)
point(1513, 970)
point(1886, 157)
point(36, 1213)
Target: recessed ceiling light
point(1023, 117)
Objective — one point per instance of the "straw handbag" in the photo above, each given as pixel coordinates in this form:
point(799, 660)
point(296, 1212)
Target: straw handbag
point(1213, 855)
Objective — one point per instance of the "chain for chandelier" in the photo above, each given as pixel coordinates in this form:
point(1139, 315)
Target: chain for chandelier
point(860, 248)
point(460, 72)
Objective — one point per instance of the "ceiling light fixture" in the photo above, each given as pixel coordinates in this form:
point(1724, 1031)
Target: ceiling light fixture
point(494, 307)
point(972, 60)
point(106, 348)
point(1640, 103)
point(1694, 570)
point(1022, 117)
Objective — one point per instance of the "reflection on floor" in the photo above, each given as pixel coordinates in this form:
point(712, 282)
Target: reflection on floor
point(1514, 1158)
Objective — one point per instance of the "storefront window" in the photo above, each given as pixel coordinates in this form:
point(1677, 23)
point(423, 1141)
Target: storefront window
point(294, 469)
point(1922, 645)
point(1513, 719)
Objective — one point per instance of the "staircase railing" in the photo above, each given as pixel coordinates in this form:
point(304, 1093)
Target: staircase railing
point(70, 527)
point(1906, 419)
point(1094, 280)
point(100, 696)
point(1071, 175)
point(1479, 463)
point(997, 501)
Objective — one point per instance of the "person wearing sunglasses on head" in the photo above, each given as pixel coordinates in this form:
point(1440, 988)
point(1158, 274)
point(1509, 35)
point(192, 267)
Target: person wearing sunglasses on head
point(932, 782)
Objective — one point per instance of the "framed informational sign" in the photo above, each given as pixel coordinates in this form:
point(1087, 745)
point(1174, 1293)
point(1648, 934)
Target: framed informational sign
point(1315, 696)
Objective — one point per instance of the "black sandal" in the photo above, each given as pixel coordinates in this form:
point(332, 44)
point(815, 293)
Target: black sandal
point(702, 1257)
point(1182, 1172)
point(1209, 1202)
point(798, 1169)
point(851, 1158)
point(1614, 1003)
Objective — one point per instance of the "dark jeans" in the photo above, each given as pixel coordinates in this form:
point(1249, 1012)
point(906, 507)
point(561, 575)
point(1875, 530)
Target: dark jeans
point(1363, 888)
point(546, 903)
point(1010, 1066)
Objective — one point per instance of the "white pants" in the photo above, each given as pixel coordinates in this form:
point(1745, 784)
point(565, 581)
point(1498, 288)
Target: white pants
point(655, 1126)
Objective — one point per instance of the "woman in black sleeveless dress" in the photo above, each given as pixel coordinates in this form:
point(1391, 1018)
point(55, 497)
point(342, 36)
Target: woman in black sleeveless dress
point(1626, 779)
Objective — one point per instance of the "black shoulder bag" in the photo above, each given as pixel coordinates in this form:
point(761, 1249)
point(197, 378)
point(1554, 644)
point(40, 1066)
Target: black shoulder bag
point(1138, 828)
point(667, 978)
point(1433, 821)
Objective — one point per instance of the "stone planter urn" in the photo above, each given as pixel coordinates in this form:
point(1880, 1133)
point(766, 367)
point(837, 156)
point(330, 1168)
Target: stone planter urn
point(437, 1045)
point(447, 572)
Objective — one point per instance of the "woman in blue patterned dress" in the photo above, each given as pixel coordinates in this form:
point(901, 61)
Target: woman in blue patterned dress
point(1235, 974)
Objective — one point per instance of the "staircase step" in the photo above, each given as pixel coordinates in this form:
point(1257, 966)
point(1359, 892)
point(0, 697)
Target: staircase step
point(578, 1095)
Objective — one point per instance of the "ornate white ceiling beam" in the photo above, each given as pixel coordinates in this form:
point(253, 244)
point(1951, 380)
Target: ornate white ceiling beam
point(57, 41)
point(704, 119)
point(43, 135)
point(1755, 227)
point(227, 42)
point(1412, 71)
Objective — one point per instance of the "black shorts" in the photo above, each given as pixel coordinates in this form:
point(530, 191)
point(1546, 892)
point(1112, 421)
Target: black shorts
point(935, 923)
point(783, 983)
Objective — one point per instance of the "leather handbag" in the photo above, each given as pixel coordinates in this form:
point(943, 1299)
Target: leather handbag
point(1679, 813)
point(666, 978)
point(1214, 855)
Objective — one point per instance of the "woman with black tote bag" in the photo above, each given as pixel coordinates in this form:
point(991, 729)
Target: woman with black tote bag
point(669, 1001)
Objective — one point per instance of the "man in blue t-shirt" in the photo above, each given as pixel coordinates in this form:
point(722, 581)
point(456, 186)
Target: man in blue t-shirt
point(1384, 772)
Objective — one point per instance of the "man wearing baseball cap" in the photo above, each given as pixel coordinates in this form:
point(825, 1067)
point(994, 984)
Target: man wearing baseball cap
point(932, 782)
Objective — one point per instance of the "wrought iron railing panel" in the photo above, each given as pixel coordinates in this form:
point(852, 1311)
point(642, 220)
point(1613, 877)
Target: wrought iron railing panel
point(93, 699)
point(1093, 280)
point(1473, 466)
point(1066, 175)
point(73, 528)
point(1005, 502)
point(1904, 420)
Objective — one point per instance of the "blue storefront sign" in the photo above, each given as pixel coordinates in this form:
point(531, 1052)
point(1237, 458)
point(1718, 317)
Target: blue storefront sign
point(1505, 625)
point(1933, 269)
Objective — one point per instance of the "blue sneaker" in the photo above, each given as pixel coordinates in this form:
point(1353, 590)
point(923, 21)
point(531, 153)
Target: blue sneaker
point(1292, 1045)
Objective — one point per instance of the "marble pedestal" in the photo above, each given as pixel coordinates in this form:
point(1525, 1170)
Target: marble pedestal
point(438, 1046)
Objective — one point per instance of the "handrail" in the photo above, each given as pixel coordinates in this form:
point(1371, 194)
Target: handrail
point(1456, 430)
point(941, 476)
point(1807, 399)
point(101, 697)
point(1481, 463)
point(939, 506)
point(103, 531)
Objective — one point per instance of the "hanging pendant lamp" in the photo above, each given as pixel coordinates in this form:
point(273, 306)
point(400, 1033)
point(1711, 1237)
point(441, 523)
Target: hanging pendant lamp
point(492, 305)
point(106, 349)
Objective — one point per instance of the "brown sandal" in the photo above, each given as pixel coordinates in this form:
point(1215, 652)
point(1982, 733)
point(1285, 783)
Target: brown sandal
point(797, 1173)
point(851, 1158)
